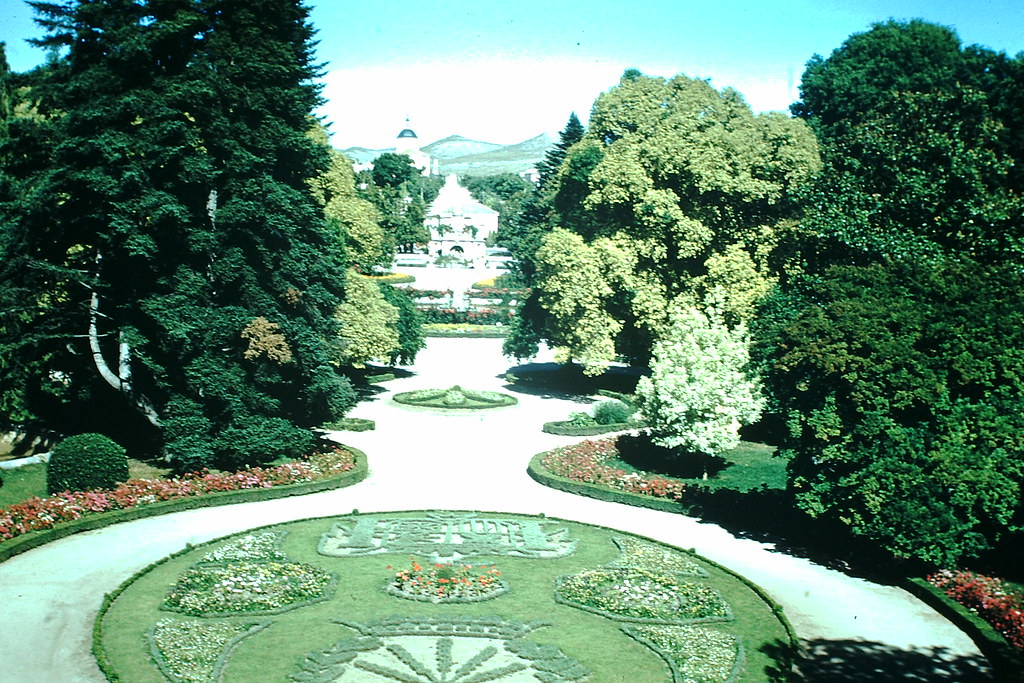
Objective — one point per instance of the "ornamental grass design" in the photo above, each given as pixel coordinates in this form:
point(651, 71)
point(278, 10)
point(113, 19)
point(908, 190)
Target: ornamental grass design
point(455, 398)
point(613, 606)
point(440, 650)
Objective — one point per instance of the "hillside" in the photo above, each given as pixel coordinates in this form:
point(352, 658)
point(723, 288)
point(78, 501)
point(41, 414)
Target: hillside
point(457, 154)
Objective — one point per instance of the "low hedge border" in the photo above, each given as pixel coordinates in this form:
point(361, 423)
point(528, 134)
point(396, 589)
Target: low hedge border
point(479, 332)
point(34, 539)
point(1008, 664)
point(350, 424)
point(539, 474)
point(567, 428)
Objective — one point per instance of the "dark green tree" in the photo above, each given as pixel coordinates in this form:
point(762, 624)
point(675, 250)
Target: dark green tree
point(170, 252)
point(393, 170)
point(504, 192)
point(900, 385)
point(410, 324)
point(921, 145)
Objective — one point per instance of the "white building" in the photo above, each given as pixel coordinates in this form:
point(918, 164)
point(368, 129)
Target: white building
point(459, 224)
point(408, 144)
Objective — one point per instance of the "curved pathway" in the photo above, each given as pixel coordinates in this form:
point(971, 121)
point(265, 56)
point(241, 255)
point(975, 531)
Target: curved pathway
point(858, 630)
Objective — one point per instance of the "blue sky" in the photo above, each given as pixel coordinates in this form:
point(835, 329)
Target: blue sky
point(504, 71)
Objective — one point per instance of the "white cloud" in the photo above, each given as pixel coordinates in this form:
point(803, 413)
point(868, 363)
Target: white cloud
point(502, 100)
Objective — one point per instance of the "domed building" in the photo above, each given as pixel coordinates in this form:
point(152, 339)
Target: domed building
point(408, 143)
point(459, 224)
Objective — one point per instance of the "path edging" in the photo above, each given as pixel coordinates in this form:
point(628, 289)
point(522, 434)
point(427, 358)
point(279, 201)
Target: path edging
point(34, 539)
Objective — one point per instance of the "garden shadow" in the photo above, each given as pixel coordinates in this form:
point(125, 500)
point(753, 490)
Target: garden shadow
point(864, 661)
point(567, 381)
point(641, 453)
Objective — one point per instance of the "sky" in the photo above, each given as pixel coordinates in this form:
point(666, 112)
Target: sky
point(504, 71)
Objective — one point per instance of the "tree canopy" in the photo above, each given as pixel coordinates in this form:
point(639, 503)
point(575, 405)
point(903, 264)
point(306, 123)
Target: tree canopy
point(163, 244)
point(682, 191)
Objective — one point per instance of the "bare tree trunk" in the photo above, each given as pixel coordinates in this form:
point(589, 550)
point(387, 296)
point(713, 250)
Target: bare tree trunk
point(122, 379)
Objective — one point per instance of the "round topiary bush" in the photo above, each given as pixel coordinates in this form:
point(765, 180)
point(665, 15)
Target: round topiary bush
point(86, 461)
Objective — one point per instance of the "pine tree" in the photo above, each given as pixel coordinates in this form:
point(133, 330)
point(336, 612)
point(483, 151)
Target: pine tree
point(174, 215)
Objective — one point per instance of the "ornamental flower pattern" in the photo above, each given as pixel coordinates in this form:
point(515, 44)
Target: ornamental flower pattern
point(443, 650)
point(441, 582)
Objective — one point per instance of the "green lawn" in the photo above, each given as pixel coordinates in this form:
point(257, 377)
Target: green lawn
point(22, 483)
point(599, 643)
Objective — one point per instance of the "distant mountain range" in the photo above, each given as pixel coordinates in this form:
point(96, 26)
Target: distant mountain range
point(457, 154)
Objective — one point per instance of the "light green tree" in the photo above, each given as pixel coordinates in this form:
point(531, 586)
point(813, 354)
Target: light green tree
point(683, 192)
point(369, 324)
point(699, 393)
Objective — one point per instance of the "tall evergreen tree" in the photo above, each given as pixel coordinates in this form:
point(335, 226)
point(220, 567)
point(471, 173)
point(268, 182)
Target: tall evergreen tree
point(171, 249)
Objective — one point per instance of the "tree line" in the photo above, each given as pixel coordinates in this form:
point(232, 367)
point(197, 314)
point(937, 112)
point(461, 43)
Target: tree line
point(849, 274)
point(181, 251)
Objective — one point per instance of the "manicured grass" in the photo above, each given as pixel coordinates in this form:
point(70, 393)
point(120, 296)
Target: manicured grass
point(597, 642)
point(22, 483)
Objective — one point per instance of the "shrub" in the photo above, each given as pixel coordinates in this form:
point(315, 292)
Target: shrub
point(86, 461)
point(612, 412)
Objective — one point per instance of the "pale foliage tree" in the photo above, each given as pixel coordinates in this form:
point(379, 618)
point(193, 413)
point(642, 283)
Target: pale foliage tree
point(699, 393)
point(368, 322)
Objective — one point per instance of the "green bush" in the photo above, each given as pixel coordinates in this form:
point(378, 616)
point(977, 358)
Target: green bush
point(612, 412)
point(86, 461)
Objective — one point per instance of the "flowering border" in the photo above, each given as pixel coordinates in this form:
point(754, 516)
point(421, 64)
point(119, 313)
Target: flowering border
point(582, 468)
point(70, 513)
point(989, 598)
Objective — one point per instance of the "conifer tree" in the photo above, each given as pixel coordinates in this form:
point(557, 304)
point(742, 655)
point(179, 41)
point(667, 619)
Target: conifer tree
point(172, 241)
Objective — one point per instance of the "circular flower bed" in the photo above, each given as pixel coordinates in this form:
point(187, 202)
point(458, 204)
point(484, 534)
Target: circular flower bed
point(446, 583)
point(455, 398)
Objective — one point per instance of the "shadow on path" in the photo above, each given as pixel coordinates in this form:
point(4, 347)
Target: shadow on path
point(855, 661)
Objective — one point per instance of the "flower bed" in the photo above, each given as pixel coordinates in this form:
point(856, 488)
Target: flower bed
point(987, 597)
point(586, 462)
point(439, 583)
point(641, 595)
point(37, 514)
point(247, 587)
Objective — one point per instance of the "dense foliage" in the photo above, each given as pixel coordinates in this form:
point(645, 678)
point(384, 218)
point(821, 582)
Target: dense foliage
point(674, 196)
point(84, 462)
point(162, 254)
point(922, 142)
point(901, 385)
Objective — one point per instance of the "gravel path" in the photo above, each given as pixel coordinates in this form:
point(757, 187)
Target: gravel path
point(858, 630)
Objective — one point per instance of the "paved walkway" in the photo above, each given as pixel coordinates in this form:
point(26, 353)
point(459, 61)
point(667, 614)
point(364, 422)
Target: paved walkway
point(418, 460)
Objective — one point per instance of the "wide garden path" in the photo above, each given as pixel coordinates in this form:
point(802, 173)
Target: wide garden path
point(421, 460)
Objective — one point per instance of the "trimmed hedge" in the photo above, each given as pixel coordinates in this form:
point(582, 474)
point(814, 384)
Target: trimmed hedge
point(1007, 662)
point(567, 428)
point(86, 461)
point(540, 475)
point(441, 398)
point(391, 278)
point(351, 424)
point(34, 539)
point(446, 330)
